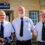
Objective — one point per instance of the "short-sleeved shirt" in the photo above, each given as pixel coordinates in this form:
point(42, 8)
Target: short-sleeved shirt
point(27, 28)
point(38, 31)
point(8, 29)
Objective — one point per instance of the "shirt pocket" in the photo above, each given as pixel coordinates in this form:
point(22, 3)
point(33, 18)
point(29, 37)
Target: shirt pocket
point(28, 26)
point(7, 30)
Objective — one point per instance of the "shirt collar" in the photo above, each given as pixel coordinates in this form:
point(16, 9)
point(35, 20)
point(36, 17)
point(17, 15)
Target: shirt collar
point(41, 21)
point(23, 17)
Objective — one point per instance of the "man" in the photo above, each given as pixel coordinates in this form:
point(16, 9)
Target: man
point(6, 29)
point(40, 29)
point(23, 28)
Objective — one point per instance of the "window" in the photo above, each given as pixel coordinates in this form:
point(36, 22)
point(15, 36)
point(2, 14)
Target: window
point(34, 16)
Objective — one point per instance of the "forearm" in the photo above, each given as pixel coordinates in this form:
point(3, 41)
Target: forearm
point(33, 35)
point(12, 35)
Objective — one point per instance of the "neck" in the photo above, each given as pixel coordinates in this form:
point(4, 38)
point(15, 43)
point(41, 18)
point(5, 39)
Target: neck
point(1, 21)
point(21, 17)
point(43, 20)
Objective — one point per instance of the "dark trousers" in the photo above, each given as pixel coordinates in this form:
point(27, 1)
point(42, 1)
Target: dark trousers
point(23, 42)
point(41, 43)
point(8, 43)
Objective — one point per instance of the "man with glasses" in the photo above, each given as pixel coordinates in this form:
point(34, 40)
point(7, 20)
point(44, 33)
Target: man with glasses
point(6, 30)
point(40, 29)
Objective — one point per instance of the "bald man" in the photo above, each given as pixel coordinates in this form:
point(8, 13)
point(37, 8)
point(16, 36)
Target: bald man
point(23, 27)
point(40, 29)
point(5, 29)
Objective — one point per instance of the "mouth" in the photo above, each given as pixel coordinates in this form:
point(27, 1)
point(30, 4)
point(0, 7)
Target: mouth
point(43, 17)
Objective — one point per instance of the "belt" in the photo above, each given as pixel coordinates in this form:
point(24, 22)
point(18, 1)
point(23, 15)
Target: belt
point(40, 42)
point(23, 41)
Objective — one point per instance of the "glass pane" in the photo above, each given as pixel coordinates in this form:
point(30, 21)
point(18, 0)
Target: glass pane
point(34, 16)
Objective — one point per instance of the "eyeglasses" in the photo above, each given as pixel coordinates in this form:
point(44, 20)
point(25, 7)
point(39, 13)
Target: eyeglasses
point(1, 15)
point(20, 10)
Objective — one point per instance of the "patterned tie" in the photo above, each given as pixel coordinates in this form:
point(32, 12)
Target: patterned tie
point(2, 30)
point(43, 32)
point(21, 30)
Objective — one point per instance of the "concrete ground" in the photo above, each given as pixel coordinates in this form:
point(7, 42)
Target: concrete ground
point(34, 44)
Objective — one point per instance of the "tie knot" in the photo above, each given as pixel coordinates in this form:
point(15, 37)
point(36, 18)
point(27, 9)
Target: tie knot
point(21, 19)
point(1, 23)
point(43, 22)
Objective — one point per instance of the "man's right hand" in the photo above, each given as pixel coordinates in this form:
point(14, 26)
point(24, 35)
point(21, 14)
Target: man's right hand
point(2, 39)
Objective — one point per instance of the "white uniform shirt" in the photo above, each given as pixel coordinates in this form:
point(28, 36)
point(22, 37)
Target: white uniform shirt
point(27, 28)
point(38, 31)
point(7, 29)
point(0, 25)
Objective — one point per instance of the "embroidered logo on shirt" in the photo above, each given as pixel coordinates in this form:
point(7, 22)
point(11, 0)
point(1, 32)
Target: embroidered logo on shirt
point(27, 21)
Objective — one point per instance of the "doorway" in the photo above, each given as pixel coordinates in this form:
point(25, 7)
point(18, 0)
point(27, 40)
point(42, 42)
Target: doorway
point(9, 16)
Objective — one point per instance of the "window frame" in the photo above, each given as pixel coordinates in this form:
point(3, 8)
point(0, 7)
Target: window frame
point(35, 11)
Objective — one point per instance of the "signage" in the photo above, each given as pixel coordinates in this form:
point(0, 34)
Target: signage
point(4, 6)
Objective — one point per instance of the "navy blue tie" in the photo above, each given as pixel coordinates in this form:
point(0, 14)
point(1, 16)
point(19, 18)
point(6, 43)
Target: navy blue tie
point(43, 32)
point(21, 30)
point(2, 30)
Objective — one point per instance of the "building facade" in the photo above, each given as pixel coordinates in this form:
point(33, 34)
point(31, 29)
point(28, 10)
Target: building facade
point(32, 8)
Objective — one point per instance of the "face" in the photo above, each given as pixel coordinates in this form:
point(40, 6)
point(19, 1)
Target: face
point(1, 16)
point(20, 11)
point(42, 16)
